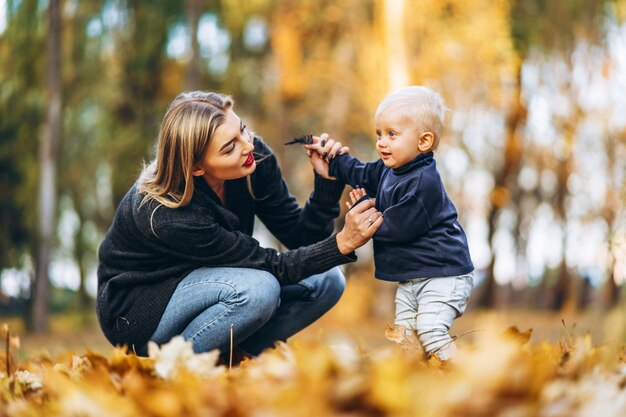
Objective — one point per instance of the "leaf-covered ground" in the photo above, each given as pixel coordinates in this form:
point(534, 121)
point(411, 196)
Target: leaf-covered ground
point(497, 372)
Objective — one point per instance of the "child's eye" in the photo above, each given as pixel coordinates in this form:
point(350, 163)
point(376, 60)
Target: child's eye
point(392, 133)
point(378, 133)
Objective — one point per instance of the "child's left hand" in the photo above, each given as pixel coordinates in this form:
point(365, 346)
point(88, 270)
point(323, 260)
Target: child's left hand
point(355, 195)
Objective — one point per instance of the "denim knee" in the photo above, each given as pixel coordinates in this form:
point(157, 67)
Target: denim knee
point(329, 286)
point(261, 295)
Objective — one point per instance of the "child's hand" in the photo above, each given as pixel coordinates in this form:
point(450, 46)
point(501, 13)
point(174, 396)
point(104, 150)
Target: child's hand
point(326, 148)
point(355, 195)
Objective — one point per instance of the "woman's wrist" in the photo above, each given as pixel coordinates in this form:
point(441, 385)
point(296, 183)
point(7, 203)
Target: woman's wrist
point(342, 245)
point(327, 191)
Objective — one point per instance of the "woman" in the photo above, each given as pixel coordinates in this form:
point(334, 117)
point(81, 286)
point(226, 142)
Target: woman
point(179, 258)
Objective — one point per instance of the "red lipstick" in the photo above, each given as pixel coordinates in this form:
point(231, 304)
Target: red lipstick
point(249, 161)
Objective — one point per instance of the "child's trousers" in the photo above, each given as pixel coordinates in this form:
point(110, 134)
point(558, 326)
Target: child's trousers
point(429, 306)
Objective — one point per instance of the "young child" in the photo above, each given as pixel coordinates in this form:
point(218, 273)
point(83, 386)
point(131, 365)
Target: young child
point(420, 243)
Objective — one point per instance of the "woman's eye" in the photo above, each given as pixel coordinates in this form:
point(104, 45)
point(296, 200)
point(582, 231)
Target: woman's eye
point(243, 128)
point(232, 148)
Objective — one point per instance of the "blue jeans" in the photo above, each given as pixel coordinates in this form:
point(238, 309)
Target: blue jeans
point(209, 300)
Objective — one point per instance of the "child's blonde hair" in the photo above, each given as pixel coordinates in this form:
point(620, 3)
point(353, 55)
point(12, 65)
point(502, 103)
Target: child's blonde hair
point(419, 104)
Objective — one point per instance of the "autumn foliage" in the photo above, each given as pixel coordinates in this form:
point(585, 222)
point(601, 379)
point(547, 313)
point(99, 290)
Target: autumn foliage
point(498, 374)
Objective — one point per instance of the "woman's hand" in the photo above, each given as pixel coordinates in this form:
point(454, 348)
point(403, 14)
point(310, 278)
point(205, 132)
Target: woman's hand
point(319, 165)
point(361, 224)
point(326, 147)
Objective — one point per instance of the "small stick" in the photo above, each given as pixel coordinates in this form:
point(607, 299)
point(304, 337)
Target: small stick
point(8, 350)
point(453, 339)
point(302, 140)
point(569, 337)
point(230, 361)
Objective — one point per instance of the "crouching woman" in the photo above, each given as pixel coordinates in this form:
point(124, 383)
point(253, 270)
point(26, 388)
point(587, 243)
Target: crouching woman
point(179, 258)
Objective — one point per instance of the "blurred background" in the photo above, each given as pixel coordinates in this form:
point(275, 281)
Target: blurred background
point(534, 153)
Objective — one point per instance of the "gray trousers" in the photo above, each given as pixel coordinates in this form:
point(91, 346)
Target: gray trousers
point(429, 306)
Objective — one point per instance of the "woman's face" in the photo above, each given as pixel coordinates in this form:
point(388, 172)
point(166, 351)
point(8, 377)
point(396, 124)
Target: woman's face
point(229, 154)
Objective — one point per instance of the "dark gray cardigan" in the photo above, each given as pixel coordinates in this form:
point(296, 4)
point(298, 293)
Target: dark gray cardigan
point(148, 249)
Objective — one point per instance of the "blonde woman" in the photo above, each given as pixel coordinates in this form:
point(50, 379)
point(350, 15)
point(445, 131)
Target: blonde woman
point(179, 258)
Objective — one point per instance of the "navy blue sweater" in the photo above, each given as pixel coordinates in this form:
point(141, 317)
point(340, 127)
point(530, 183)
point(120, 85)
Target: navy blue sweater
point(149, 249)
point(420, 236)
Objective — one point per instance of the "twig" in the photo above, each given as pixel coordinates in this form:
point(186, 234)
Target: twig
point(453, 339)
point(8, 350)
point(569, 337)
point(230, 361)
point(303, 140)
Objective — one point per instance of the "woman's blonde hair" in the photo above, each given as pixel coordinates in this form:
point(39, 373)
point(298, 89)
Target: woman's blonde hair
point(187, 128)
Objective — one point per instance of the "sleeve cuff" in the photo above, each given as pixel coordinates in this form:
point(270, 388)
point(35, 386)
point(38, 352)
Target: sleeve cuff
point(332, 256)
point(327, 191)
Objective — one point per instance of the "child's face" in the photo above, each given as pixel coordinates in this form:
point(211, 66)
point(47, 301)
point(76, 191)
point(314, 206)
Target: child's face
point(398, 139)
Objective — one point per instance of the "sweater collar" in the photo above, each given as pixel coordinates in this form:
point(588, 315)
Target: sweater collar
point(422, 160)
point(201, 186)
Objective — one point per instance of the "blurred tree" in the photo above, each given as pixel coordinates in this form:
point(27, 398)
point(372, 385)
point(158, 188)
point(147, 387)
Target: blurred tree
point(138, 103)
point(613, 208)
point(194, 10)
point(21, 52)
point(83, 137)
point(48, 164)
point(465, 51)
point(544, 26)
point(315, 47)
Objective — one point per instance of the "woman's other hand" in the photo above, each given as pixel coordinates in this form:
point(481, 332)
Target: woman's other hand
point(360, 225)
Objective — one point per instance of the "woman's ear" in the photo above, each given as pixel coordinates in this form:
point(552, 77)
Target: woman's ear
point(426, 142)
point(197, 172)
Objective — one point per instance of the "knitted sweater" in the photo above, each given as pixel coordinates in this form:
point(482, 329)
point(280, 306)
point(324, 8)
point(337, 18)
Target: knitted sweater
point(420, 236)
point(149, 249)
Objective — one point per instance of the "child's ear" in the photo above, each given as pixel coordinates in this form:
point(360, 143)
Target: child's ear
point(426, 142)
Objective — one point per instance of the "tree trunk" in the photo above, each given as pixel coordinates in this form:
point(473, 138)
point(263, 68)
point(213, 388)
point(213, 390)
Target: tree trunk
point(505, 180)
point(565, 296)
point(194, 9)
point(395, 44)
point(48, 157)
point(85, 301)
point(610, 290)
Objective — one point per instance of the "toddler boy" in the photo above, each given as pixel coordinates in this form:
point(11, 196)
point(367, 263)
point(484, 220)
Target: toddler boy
point(420, 244)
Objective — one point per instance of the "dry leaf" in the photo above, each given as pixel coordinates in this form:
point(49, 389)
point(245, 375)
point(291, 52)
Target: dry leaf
point(513, 333)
